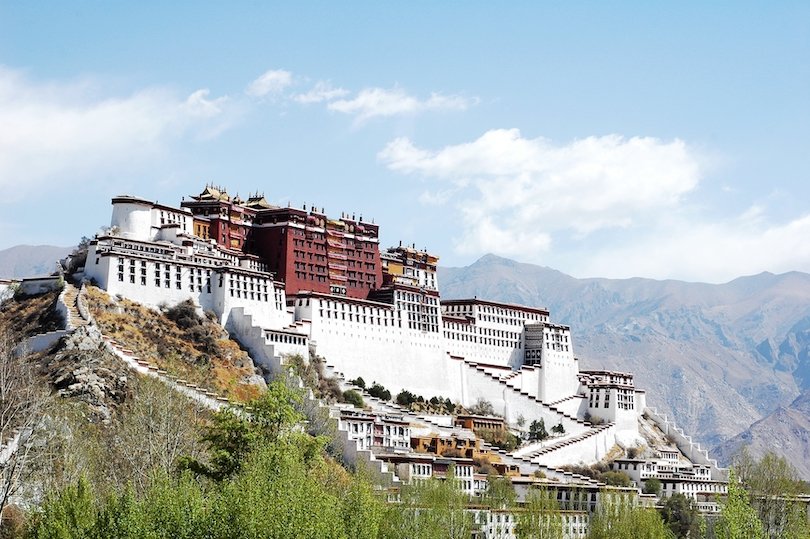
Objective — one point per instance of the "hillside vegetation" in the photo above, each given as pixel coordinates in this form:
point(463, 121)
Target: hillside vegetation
point(180, 341)
point(24, 316)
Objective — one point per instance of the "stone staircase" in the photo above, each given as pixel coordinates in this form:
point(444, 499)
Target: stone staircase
point(561, 444)
point(70, 297)
point(691, 449)
point(526, 395)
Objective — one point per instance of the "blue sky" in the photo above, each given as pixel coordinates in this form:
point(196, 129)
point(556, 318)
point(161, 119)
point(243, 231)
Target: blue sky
point(665, 140)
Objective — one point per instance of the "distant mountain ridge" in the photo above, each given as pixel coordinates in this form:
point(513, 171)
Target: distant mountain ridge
point(717, 358)
point(30, 260)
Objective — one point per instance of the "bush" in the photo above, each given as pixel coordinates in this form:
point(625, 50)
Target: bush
point(359, 382)
point(405, 398)
point(616, 479)
point(537, 431)
point(500, 438)
point(652, 486)
point(482, 407)
point(184, 314)
point(378, 391)
point(354, 398)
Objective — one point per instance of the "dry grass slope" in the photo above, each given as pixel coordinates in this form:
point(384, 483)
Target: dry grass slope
point(30, 315)
point(191, 347)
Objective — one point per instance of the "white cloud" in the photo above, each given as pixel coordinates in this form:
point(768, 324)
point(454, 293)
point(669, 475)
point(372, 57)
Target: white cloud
point(707, 251)
point(374, 102)
point(518, 187)
point(60, 132)
point(322, 91)
point(272, 82)
point(606, 206)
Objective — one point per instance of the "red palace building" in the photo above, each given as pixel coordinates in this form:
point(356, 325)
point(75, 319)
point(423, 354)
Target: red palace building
point(305, 249)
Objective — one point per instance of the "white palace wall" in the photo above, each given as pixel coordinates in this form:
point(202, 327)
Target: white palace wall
point(362, 338)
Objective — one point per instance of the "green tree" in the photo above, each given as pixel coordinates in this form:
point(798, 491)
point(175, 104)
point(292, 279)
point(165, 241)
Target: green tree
point(482, 407)
point(69, 514)
point(558, 428)
point(500, 493)
point(405, 398)
point(618, 517)
point(738, 520)
point(354, 398)
point(378, 391)
point(773, 485)
point(233, 435)
point(540, 516)
point(681, 516)
point(428, 510)
point(616, 479)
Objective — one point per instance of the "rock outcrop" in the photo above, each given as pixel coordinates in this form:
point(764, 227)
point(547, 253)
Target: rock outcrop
point(80, 368)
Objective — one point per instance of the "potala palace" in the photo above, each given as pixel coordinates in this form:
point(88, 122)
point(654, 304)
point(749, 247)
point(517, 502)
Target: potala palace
point(288, 280)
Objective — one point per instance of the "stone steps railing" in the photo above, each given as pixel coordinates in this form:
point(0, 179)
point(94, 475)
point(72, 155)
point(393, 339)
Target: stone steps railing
point(10, 447)
point(691, 449)
point(565, 399)
point(527, 463)
point(389, 407)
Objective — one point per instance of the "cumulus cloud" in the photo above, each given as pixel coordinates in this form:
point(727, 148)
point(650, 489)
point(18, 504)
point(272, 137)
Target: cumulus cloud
point(55, 131)
point(514, 185)
point(322, 91)
point(600, 206)
point(271, 83)
point(381, 102)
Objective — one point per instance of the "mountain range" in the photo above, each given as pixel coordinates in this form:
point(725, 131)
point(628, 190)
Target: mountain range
point(729, 362)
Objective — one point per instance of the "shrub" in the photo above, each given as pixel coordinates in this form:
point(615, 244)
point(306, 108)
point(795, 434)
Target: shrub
point(359, 382)
point(354, 398)
point(616, 479)
point(184, 314)
point(652, 486)
point(405, 398)
point(482, 407)
point(378, 391)
point(537, 431)
point(500, 438)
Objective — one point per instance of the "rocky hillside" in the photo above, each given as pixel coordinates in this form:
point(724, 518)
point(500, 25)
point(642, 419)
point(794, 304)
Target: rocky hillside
point(30, 260)
point(177, 339)
point(716, 357)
